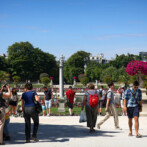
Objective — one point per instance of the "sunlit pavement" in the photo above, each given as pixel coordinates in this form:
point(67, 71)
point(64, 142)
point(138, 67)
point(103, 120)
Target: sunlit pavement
point(61, 131)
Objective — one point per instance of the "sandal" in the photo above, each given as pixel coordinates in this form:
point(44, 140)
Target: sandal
point(138, 135)
point(130, 134)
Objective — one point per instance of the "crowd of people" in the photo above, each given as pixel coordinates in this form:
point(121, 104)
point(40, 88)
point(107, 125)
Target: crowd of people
point(93, 102)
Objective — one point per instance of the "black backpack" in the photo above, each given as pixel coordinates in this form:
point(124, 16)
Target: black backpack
point(101, 92)
point(105, 100)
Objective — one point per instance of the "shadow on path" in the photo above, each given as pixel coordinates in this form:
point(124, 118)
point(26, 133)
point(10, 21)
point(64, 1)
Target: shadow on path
point(54, 133)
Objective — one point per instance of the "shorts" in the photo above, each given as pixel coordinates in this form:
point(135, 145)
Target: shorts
point(101, 103)
point(43, 107)
point(70, 105)
point(132, 112)
point(13, 103)
point(48, 104)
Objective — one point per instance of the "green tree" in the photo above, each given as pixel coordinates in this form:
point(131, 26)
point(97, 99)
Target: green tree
point(29, 62)
point(111, 72)
point(42, 75)
point(123, 60)
point(123, 76)
point(75, 65)
point(107, 79)
point(3, 63)
point(80, 76)
point(4, 76)
point(84, 81)
point(93, 71)
point(16, 80)
point(45, 80)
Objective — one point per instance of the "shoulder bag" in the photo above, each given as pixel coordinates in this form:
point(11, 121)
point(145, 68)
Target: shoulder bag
point(139, 106)
point(38, 106)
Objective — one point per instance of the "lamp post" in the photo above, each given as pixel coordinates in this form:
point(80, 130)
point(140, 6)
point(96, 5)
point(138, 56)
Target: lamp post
point(61, 107)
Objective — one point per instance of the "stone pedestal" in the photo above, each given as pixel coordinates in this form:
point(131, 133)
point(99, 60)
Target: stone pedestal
point(74, 83)
point(61, 107)
point(51, 83)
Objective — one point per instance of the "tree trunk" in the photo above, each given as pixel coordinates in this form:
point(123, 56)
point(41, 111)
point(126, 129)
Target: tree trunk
point(140, 79)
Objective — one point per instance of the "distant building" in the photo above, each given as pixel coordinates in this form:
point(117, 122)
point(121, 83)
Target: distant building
point(98, 59)
point(143, 56)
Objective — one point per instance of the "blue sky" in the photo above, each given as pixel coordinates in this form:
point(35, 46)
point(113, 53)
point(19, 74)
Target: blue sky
point(67, 26)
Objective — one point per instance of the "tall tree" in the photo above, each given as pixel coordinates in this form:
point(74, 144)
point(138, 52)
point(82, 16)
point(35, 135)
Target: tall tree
point(29, 62)
point(75, 65)
point(93, 71)
point(4, 76)
point(3, 63)
point(110, 72)
point(123, 60)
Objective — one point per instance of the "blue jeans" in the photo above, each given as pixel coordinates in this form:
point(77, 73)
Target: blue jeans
point(6, 130)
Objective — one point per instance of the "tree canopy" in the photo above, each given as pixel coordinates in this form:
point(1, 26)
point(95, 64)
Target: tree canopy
point(75, 65)
point(29, 62)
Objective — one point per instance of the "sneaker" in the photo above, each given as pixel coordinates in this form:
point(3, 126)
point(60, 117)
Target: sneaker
point(35, 139)
point(138, 135)
point(98, 126)
point(118, 128)
point(27, 141)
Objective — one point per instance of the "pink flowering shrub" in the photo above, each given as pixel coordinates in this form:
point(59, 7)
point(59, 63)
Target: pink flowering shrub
point(135, 66)
point(51, 78)
point(74, 78)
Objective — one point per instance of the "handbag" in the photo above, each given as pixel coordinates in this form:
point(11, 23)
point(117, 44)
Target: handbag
point(139, 106)
point(82, 117)
point(38, 106)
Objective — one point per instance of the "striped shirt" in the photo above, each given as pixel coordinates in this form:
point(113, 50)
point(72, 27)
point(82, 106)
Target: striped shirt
point(130, 98)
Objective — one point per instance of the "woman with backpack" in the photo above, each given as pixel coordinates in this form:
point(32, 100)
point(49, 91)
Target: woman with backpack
point(90, 102)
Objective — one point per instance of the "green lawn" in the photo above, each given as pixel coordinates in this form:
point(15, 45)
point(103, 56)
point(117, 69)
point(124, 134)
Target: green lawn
point(76, 110)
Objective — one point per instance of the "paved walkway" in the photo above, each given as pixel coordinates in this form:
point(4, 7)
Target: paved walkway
point(63, 131)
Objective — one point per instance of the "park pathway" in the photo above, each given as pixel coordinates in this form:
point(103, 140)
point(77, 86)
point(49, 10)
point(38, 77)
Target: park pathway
point(63, 131)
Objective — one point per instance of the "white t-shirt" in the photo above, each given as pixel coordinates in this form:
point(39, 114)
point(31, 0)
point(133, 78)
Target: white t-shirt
point(13, 97)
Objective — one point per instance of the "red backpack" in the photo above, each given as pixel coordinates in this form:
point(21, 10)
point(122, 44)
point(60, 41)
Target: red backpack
point(93, 100)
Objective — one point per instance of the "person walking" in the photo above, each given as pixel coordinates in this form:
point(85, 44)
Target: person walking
point(70, 95)
point(13, 102)
point(2, 110)
point(133, 106)
point(28, 108)
point(102, 94)
point(48, 97)
point(110, 107)
point(121, 91)
point(91, 95)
